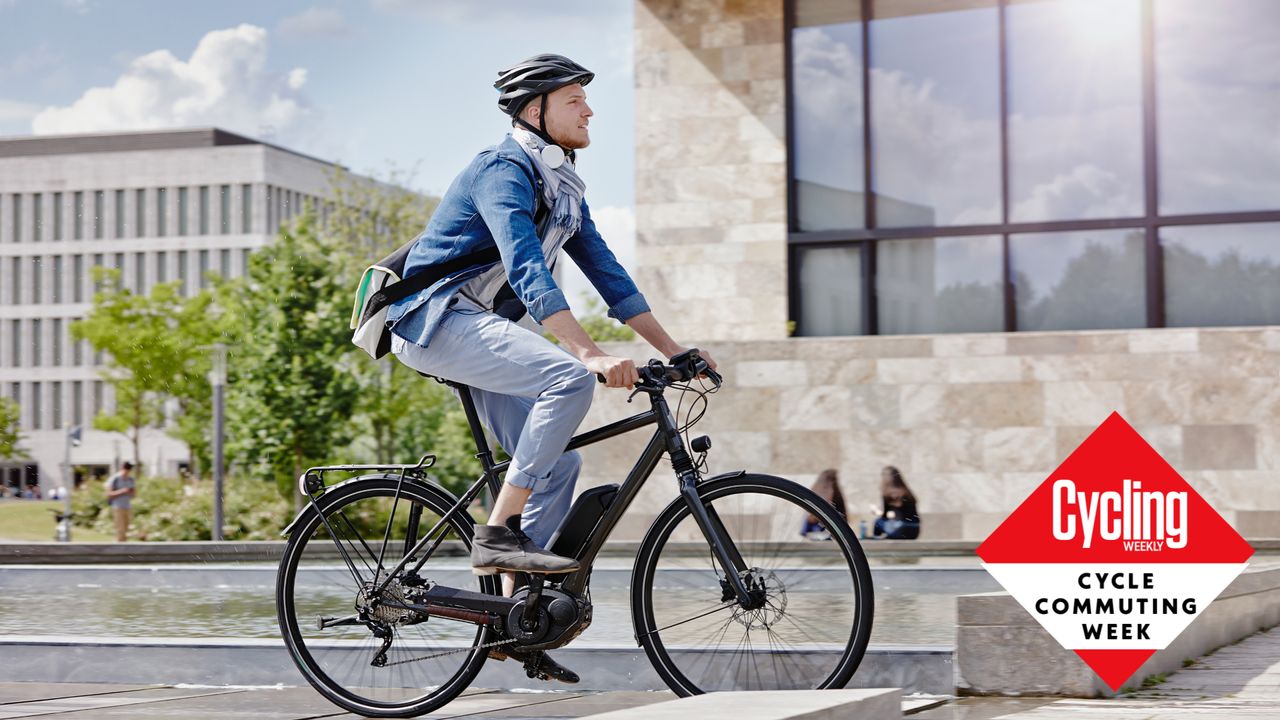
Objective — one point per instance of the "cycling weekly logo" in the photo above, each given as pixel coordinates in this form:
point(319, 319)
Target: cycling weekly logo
point(1114, 553)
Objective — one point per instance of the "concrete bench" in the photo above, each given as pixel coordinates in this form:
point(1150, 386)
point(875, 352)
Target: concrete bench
point(868, 704)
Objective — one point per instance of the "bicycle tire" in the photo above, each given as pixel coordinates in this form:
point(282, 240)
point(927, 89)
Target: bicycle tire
point(675, 670)
point(430, 498)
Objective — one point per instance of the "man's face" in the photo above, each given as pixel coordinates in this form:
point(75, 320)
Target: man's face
point(567, 116)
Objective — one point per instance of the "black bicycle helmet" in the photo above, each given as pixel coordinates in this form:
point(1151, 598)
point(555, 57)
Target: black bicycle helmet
point(536, 76)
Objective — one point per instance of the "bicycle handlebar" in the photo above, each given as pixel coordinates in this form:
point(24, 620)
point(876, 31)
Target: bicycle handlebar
point(685, 366)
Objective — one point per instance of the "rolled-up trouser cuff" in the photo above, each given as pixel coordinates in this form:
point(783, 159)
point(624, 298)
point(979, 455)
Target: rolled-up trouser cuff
point(521, 479)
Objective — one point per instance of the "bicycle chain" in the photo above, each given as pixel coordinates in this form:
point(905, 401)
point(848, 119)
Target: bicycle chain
point(485, 646)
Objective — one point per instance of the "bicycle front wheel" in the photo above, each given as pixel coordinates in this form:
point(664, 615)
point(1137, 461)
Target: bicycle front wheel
point(349, 628)
point(812, 629)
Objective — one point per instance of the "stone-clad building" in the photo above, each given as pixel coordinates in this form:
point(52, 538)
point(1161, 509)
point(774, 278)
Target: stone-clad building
point(954, 236)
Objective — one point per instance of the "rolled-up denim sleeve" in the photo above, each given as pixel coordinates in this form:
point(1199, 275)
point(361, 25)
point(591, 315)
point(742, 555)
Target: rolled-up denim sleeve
point(504, 198)
point(590, 253)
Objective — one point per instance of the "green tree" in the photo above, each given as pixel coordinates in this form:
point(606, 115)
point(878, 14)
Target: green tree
point(147, 347)
point(293, 393)
point(10, 434)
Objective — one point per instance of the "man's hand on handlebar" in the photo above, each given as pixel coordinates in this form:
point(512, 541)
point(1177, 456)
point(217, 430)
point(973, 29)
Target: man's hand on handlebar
point(616, 372)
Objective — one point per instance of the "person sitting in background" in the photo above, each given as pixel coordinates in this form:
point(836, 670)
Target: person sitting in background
point(898, 520)
point(828, 488)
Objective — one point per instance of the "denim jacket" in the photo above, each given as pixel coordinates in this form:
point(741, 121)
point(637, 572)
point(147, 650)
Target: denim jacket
point(492, 202)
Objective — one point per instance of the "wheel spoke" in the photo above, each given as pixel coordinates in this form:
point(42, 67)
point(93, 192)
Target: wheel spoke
point(800, 635)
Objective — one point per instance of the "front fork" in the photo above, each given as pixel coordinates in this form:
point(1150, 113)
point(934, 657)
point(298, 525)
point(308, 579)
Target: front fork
point(723, 547)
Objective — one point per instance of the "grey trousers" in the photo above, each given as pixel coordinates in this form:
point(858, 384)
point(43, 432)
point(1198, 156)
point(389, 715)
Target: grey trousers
point(529, 392)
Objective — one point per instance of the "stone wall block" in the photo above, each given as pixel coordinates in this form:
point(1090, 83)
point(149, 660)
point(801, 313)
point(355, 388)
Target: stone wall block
point(1082, 403)
point(1164, 341)
point(896, 371)
point(1019, 449)
point(969, 345)
point(993, 405)
point(786, 373)
point(1220, 447)
point(824, 407)
point(985, 369)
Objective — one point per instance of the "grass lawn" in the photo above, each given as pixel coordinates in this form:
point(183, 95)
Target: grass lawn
point(30, 520)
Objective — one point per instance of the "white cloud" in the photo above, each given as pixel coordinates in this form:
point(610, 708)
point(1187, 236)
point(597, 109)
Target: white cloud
point(617, 225)
point(315, 22)
point(225, 83)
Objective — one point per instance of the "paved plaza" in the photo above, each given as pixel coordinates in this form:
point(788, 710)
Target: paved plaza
point(1238, 682)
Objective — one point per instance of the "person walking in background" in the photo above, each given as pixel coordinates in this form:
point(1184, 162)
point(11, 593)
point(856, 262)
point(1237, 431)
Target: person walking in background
point(899, 519)
point(120, 492)
point(828, 488)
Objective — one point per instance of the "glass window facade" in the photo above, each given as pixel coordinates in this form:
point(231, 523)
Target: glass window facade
point(987, 165)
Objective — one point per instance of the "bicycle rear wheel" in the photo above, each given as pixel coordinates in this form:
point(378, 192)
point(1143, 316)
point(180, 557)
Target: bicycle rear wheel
point(813, 628)
point(336, 625)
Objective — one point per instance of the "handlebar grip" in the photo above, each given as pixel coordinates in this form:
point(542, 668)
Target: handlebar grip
point(600, 378)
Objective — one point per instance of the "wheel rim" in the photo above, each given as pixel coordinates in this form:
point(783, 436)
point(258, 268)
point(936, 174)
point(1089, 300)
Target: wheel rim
point(810, 631)
point(426, 661)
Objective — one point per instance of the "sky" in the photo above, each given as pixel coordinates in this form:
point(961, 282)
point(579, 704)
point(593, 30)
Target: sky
point(376, 85)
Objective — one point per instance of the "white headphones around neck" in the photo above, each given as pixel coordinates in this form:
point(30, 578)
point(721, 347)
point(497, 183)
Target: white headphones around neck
point(553, 156)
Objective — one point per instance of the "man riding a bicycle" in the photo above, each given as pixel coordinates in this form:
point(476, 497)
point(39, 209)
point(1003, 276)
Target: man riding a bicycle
point(523, 196)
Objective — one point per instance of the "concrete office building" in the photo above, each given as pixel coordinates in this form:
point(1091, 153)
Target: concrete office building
point(158, 206)
point(954, 236)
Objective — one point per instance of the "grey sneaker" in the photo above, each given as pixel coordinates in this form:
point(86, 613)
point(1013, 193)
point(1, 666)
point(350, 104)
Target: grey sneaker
point(499, 549)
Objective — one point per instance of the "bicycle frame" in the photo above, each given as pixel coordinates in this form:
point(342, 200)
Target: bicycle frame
point(666, 439)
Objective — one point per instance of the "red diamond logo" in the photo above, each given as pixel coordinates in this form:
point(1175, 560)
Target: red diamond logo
point(1114, 554)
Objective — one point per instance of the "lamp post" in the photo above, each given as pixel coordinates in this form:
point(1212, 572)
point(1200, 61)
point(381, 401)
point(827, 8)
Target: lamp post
point(218, 378)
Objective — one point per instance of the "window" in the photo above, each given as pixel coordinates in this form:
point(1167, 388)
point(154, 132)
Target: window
point(933, 285)
point(57, 343)
point(55, 390)
point(98, 213)
point(57, 279)
point(37, 277)
point(57, 216)
point(119, 214)
point(162, 267)
point(140, 213)
point(1222, 274)
point(204, 268)
point(182, 210)
point(37, 407)
point(1079, 280)
point(935, 115)
point(98, 261)
point(224, 209)
point(246, 208)
point(162, 212)
point(77, 278)
point(140, 273)
point(1217, 68)
point(99, 397)
point(204, 209)
point(182, 273)
point(16, 275)
point(77, 352)
point(15, 349)
point(244, 261)
point(1075, 110)
point(271, 210)
point(78, 219)
point(827, 151)
point(77, 403)
point(831, 290)
point(224, 262)
point(37, 217)
point(37, 344)
point(17, 217)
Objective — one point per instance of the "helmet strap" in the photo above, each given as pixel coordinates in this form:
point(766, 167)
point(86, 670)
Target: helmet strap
point(556, 157)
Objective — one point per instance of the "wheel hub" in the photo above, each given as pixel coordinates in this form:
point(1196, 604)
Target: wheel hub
point(770, 600)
